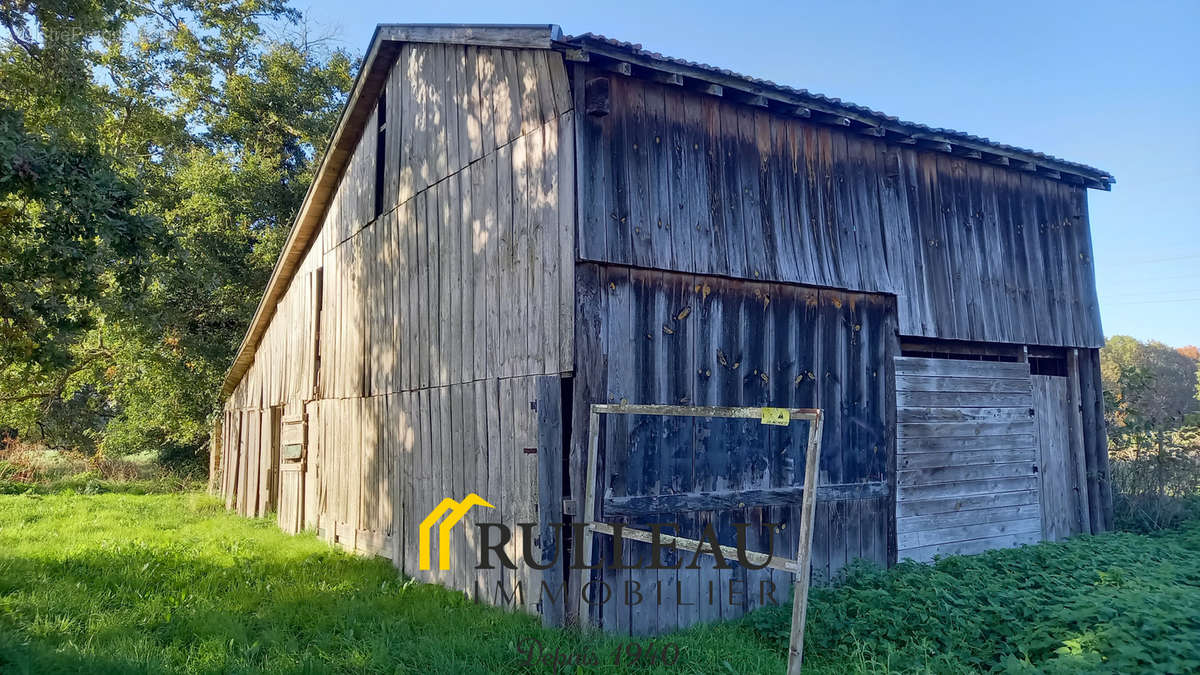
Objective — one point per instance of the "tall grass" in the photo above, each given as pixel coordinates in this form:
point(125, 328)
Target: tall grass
point(172, 583)
point(33, 468)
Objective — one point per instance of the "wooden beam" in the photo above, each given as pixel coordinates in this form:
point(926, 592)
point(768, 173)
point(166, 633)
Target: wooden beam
point(801, 111)
point(618, 67)
point(664, 77)
point(804, 551)
point(747, 97)
point(877, 132)
point(695, 546)
point(641, 505)
point(830, 118)
point(928, 144)
point(576, 56)
point(527, 36)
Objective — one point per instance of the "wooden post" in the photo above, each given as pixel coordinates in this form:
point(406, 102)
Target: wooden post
point(550, 494)
point(589, 516)
point(1075, 414)
point(804, 554)
point(214, 454)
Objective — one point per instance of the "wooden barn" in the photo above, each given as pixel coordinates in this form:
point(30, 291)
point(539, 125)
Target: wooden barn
point(511, 225)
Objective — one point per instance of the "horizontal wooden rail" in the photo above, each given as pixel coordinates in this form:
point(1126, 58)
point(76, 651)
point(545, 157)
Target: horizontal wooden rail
point(693, 545)
point(640, 505)
point(810, 414)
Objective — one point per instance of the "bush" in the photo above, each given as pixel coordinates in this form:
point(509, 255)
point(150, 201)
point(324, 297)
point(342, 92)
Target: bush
point(1117, 602)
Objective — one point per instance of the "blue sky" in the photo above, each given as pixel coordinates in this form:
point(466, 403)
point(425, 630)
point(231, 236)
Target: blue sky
point(1112, 84)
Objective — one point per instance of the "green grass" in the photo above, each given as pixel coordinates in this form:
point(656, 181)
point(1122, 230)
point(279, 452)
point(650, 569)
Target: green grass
point(172, 583)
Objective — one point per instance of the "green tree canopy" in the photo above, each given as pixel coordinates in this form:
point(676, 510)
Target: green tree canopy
point(152, 157)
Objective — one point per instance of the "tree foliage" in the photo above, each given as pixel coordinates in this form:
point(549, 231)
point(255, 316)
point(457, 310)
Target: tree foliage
point(152, 157)
point(1152, 406)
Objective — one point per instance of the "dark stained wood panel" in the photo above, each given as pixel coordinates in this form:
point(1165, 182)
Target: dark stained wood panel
point(972, 251)
point(658, 337)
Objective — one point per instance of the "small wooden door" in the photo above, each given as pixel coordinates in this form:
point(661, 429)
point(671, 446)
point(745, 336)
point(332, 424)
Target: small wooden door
point(1060, 489)
point(292, 459)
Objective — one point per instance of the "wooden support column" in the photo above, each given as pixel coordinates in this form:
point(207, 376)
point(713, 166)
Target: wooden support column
point(214, 454)
point(1079, 452)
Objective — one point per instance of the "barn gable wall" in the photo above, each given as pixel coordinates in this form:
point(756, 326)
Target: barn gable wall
point(430, 321)
point(675, 179)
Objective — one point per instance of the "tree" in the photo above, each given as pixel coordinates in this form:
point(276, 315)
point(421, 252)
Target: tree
point(1150, 408)
point(184, 134)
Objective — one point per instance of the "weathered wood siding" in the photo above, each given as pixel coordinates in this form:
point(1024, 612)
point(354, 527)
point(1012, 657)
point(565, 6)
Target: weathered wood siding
point(666, 338)
point(967, 457)
point(434, 318)
point(678, 180)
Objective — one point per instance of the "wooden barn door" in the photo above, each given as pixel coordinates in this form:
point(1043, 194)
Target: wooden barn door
point(291, 473)
point(1060, 474)
point(966, 457)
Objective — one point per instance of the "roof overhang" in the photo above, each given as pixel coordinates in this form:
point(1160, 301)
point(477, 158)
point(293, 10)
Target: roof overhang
point(632, 60)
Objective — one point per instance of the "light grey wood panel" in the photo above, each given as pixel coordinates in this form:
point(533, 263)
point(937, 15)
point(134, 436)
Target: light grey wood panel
point(966, 488)
point(924, 507)
point(970, 547)
point(969, 517)
point(924, 460)
point(969, 429)
point(960, 414)
point(938, 444)
point(985, 530)
point(962, 399)
point(957, 474)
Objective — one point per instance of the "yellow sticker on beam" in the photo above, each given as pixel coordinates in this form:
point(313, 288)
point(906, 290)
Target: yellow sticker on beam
point(780, 417)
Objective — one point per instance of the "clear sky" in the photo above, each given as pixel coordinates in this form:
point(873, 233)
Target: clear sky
point(1112, 84)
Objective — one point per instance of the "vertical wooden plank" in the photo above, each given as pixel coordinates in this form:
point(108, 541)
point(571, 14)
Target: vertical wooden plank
point(545, 83)
point(467, 269)
point(614, 446)
point(660, 216)
point(492, 247)
point(499, 473)
point(778, 169)
point(472, 118)
point(485, 482)
point(452, 277)
point(535, 328)
point(734, 226)
point(550, 492)
point(590, 386)
point(680, 209)
point(591, 143)
point(707, 454)
point(761, 247)
point(485, 77)
point(634, 147)
point(514, 96)
point(522, 264)
point(566, 191)
point(506, 277)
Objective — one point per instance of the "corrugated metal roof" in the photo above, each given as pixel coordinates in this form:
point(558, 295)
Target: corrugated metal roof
point(754, 84)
